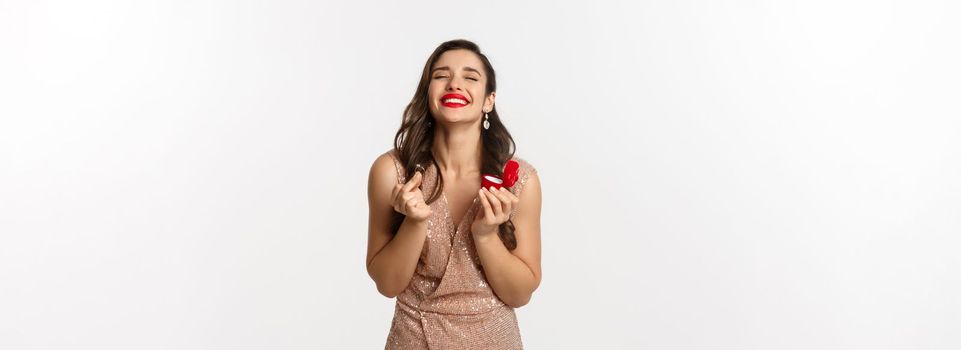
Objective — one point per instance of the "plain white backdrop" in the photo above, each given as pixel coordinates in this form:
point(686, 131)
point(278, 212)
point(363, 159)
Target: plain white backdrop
point(716, 174)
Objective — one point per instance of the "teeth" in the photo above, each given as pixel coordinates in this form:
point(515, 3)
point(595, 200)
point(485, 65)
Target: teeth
point(455, 100)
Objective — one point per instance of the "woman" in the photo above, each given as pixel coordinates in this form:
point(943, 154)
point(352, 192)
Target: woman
point(458, 257)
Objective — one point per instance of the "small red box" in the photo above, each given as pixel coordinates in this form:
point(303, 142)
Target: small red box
point(510, 177)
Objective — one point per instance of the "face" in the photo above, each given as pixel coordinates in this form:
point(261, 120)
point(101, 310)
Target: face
point(457, 87)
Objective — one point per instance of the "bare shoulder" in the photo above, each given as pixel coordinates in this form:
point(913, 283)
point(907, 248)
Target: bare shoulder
point(380, 185)
point(527, 218)
point(529, 188)
point(382, 177)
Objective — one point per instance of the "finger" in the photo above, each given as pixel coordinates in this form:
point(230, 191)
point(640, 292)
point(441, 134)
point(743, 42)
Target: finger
point(495, 203)
point(506, 201)
point(488, 211)
point(419, 178)
point(412, 203)
point(513, 197)
point(394, 192)
point(513, 200)
point(413, 182)
point(417, 192)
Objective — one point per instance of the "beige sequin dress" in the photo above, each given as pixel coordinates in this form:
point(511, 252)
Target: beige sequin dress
point(448, 303)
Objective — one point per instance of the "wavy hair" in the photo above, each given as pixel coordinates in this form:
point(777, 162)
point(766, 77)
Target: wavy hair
point(413, 140)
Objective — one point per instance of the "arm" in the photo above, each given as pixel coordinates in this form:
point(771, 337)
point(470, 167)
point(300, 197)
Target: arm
point(514, 275)
point(391, 259)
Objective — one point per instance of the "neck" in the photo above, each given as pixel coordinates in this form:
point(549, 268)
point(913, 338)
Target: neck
point(457, 149)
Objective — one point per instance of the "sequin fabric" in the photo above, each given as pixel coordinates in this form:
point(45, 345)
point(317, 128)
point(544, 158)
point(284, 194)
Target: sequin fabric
point(448, 303)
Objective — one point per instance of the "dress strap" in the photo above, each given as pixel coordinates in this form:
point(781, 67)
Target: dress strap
point(401, 177)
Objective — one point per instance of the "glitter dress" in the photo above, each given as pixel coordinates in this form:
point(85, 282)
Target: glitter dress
point(448, 303)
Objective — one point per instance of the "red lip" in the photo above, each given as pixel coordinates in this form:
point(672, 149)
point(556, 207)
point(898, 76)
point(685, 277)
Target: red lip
point(453, 105)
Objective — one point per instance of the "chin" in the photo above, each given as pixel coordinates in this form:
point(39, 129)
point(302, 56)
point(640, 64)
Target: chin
point(446, 118)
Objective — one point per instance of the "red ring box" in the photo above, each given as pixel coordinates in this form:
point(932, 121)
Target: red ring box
point(487, 181)
point(510, 177)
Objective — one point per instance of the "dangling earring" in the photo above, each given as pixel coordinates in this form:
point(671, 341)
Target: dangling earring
point(487, 124)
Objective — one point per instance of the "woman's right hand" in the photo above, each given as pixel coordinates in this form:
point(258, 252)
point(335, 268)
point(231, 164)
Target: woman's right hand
point(408, 199)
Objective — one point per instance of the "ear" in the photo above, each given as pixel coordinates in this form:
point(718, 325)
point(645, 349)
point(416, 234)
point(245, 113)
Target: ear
point(489, 101)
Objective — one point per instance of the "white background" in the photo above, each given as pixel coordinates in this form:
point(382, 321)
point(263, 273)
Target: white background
point(715, 174)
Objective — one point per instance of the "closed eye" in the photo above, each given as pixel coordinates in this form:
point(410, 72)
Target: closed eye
point(444, 76)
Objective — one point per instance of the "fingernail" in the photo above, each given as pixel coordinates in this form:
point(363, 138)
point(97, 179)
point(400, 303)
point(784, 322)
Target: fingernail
point(493, 189)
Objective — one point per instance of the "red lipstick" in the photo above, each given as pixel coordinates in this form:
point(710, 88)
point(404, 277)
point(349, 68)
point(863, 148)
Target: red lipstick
point(453, 104)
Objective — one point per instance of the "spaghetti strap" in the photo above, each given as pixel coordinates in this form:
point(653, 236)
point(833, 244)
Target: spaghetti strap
point(401, 178)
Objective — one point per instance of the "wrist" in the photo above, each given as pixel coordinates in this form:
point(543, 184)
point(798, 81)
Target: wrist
point(485, 234)
point(415, 221)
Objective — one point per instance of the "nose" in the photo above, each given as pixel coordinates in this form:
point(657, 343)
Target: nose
point(452, 85)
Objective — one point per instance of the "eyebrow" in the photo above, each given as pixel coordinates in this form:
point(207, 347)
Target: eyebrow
point(469, 69)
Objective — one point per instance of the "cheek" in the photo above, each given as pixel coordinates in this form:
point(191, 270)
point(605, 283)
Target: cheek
point(432, 98)
point(480, 99)
point(434, 92)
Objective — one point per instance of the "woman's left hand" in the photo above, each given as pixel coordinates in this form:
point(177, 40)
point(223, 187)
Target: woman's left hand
point(497, 205)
